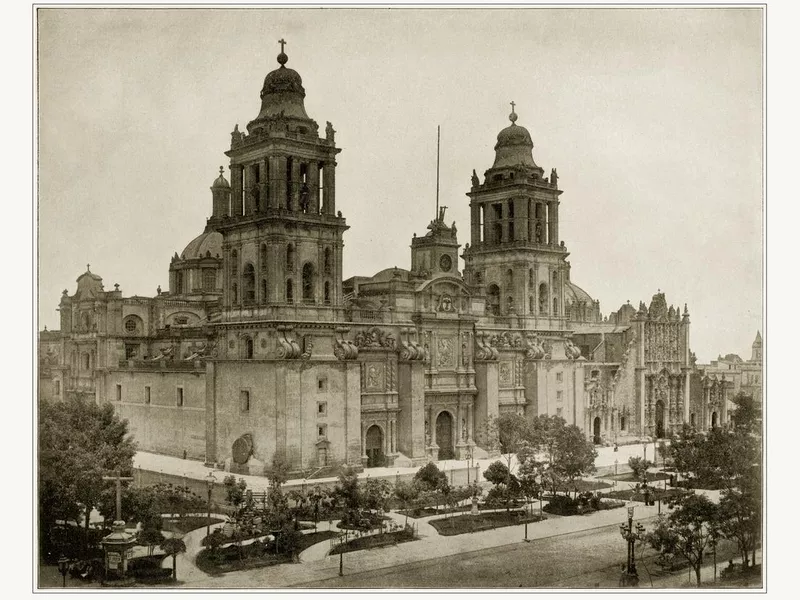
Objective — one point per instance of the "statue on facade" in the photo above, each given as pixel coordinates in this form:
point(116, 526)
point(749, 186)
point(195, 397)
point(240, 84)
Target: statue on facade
point(554, 177)
point(304, 197)
point(236, 135)
point(329, 132)
point(475, 181)
point(538, 234)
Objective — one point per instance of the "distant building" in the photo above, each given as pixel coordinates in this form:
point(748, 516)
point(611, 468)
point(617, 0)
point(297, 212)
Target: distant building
point(260, 349)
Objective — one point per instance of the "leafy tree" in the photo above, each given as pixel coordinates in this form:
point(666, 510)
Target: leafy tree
point(172, 547)
point(687, 531)
point(214, 541)
point(79, 443)
point(572, 455)
point(639, 466)
point(349, 494)
point(376, 494)
point(531, 478)
point(740, 513)
point(151, 537)
point(430, 478)
point(235, 492)
point(506, 485)
point(746, 416)
point(406, 494)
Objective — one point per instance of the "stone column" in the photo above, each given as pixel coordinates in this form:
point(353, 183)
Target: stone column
point(263, 185)
point(250, 189)
point(486, 402)
point(521, 219)
point(553, 233)
point(236, 186)
point(475, 222)
point(282, 180)
point(329, 185)
point(295, 186)
point(275, 201)
point(313, 187)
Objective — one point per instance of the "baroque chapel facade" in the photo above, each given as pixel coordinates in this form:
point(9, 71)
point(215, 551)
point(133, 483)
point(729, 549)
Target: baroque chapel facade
point(260, 349)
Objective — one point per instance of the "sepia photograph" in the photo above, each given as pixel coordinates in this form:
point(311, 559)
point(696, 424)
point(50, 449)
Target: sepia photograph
point(305, 312)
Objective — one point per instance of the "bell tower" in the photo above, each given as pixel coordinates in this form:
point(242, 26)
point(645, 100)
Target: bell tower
point(282, 235)
point(515, 256)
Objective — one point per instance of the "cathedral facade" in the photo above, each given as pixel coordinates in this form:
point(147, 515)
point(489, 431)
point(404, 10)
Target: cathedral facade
point(259, 348)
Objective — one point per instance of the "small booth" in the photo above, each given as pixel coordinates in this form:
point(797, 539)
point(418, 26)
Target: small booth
point(118, 548)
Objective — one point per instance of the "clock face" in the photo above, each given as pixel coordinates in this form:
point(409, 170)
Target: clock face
point(445, 262)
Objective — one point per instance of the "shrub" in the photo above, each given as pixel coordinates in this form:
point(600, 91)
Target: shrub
point(562, 505)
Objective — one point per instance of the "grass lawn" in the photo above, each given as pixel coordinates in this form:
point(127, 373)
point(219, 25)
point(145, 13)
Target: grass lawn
point(630, 477)
point(472, 523)
point(374, 541)
point(418, 513)
point(187, 524)
point(581, 485)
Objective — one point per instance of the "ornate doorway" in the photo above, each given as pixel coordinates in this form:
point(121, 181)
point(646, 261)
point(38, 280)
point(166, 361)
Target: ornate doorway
point(660, 419)
point(596, 430)
point(444, 435)
point(374, 447)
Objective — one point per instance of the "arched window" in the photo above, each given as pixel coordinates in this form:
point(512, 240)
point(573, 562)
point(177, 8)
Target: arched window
point(327, 266)
point(510, 278)
point(248, 347)
point(622, 423)
point(290, 258)
point(531, 305)
point(235, 294)
point(209, 279)
point(289, 291)
point(555, 307)
point(498, 233)
point(543, 298)
point(327, 292)
point(530, 278)
point(262, 256)
point(86, 360)
point(493, 300)
point(510, 304)
point(178, 282)
point(555, 279)
point(234, 264)
point(308, 282)
point(263, 290)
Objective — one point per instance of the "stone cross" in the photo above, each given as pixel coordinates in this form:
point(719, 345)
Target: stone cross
point(119, 481)
point(512, 106)
point(282, 42)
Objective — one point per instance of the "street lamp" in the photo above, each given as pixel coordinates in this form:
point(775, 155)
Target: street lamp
point(210, 481)
point(63, 568)
point(630, 534)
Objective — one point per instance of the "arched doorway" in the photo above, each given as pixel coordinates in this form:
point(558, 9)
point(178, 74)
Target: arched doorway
point(596, 430)
point(374, 447)
point(714, 419)
point(660, 419)
point(444, 435)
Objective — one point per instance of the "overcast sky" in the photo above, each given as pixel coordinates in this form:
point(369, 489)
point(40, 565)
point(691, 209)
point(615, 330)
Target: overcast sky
point(653, 118)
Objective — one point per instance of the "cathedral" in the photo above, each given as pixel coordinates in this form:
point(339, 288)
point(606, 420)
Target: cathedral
point(259, 348)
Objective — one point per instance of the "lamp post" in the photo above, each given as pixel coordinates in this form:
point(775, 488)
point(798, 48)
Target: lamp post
point(63, 568)
point(630, 534)
point(469, 461)
point(644, 448)
point(210, 480)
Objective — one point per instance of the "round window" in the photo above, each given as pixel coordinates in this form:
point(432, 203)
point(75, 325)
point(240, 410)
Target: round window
point(130, 325)
point(445, 262)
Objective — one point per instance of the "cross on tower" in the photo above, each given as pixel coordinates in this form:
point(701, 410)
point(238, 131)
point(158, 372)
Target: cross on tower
point(282, 42)
point(119, 479)
point(87, 267)
point(512, 106)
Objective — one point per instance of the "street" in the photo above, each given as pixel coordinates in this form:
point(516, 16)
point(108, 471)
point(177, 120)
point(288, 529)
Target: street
point(587, 559)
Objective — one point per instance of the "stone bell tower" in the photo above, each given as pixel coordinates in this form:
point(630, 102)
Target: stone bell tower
point(282, 235)
point(515, 256)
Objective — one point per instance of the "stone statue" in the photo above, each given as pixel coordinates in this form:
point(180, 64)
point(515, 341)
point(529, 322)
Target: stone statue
point(538, 231)
point(554, 177)
point(463, 429)
point(475, 181)
point(304, 197)
point(329, 132)
point(236, 135)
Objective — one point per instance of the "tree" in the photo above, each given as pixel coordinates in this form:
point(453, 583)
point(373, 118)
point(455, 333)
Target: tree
point(639, 466)
point(531, 477)
point(376, 494)
point(349, 494)
point(430, 478)
point(79, 443)
point(171, 547)
point(235, 492)
point(151, 537)
point(740, 516)
point(506, 485)
point(406, 494)
point(572, 455)
point(687, 531)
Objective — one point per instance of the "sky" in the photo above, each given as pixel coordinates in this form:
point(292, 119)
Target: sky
point(653, 118)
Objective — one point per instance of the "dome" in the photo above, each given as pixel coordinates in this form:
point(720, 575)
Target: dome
point(210, 241)
point(283, 93)
point(221, 182)
point(514, 145)
point(575, 294)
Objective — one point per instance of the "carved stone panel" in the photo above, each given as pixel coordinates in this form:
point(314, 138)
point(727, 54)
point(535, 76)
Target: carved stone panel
point(445, 350)
point(375, 376)
point(506, 373)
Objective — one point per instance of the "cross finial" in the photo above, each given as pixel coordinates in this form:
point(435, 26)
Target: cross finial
point(221, 170)
point(87, 268)
point(513, 116)
point(282, 42)
point(513, 104)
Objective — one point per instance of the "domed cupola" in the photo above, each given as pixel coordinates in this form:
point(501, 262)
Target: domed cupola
point(220, 182)
point(281, 97)
point(514, 145)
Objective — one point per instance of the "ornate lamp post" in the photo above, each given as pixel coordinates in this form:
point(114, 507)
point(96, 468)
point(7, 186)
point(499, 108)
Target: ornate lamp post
point(210, 480)
point(630, 534)
point(63, 568)
point(469, 461)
